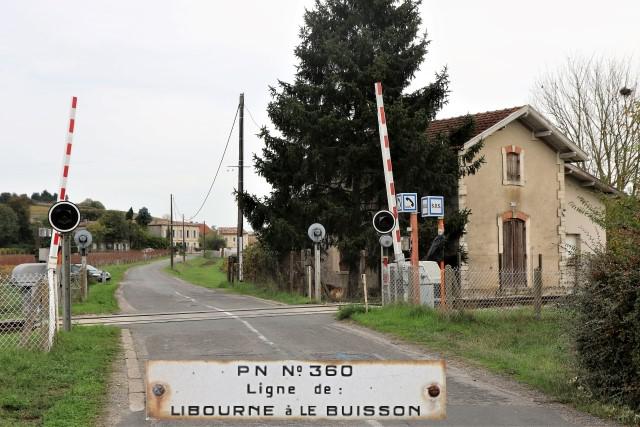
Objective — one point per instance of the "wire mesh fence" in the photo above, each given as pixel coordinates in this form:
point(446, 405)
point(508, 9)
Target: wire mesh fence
point(24, 312)
point(465, 288)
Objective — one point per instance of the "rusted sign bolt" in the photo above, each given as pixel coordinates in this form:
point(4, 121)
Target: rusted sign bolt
point(158, 389)
point(433, 390)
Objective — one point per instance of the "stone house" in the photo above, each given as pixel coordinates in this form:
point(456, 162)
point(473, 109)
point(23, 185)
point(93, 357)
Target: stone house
point(191, 236)
point(523, 198)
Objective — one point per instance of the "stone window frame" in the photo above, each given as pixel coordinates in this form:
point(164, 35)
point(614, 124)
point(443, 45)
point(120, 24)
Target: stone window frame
point(520, 152)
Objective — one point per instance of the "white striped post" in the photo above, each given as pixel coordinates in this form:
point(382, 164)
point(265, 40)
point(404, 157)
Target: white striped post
point(56, 237)
point(388, 171)
point(62, 193)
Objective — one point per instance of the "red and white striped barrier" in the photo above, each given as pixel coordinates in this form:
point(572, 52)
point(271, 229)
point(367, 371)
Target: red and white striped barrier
point(62, 193)
point(388, 171)
point(56, 237)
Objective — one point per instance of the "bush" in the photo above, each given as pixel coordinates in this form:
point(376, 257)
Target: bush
point(607, 308)
point(260, 264)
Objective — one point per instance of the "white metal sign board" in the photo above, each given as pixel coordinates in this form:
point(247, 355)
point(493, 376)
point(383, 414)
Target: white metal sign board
point(293, 389)
point(433, 206)
point(407, 202)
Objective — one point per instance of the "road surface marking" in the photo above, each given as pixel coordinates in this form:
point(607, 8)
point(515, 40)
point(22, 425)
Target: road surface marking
point(247, 324)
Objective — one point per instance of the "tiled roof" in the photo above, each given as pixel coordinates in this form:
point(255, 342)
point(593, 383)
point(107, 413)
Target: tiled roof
point(230, 230)
point(482, 121)
point(202, 227)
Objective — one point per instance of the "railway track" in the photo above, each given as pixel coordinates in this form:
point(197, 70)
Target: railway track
point(210, 314)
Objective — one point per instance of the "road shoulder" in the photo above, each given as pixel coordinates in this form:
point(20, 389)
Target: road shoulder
point(477, 377)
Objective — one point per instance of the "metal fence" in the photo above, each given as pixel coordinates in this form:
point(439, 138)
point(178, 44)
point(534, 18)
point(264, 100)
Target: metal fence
point(24, 312)
point(469, 289)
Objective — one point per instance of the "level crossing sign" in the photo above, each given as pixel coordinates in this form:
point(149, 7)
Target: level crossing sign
point(432, 206)
point(407, 202)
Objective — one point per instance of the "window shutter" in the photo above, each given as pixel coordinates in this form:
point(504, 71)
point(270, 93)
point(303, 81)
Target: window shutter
point(513, 167)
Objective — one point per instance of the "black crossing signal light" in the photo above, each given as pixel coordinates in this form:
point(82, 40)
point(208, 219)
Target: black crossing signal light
point(384, 222)
point(64, 216)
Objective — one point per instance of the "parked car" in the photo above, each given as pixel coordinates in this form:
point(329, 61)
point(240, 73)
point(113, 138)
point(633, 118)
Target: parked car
point(92, 272)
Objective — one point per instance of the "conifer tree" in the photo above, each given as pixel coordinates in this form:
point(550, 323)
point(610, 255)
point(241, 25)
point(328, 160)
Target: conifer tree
point(324, 163)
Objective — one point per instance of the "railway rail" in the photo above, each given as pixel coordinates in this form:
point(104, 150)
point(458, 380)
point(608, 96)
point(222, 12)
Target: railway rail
point(210, 314)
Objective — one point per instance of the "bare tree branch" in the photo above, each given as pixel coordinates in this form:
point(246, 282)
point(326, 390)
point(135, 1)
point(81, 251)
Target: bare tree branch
point(594, 102)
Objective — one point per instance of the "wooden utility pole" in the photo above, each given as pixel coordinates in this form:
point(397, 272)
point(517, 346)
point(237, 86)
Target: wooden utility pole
point(171, 231)
point(239, 234)
point(204, 239)
point(184, 246)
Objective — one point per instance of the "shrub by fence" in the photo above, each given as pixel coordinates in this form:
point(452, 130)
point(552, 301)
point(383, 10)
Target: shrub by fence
point(607, 331)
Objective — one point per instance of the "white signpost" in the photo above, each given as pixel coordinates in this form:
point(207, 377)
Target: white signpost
point(295, 390)
point(432, 206)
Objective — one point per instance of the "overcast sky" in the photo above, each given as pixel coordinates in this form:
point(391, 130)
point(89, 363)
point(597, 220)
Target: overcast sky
point(158, 83)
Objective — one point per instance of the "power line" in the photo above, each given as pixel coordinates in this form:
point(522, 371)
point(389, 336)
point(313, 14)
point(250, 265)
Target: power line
point(219, 165)
point(252, 119)
point(175, 206)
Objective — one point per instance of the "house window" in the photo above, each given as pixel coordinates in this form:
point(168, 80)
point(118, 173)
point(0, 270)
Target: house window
point(187, 234)
point(572, 245)
point(512, 165)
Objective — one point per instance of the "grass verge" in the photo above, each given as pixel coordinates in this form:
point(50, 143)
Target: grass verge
point(208, 273)
point(102, 298)
point(511, 342)
point(65, 387)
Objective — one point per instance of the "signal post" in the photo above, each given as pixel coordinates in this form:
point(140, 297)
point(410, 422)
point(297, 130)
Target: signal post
point(64, 217)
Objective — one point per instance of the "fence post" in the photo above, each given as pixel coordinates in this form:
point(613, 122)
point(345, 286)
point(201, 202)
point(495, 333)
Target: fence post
point(364, 285)
point(500, 273)
point(537, 288)
point(452, 286)
point(291, 271)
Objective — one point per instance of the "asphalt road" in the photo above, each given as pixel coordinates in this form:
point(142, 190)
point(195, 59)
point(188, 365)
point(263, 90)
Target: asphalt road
point(474, 397)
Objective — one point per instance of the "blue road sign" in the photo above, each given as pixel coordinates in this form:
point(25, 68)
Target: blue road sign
point(432, 206)
point(408, 202)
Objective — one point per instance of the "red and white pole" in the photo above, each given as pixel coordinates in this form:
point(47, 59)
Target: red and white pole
point(388, 171)
point(56, 237)
point(62, 193)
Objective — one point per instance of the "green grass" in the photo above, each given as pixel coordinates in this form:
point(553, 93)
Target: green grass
point(65, 387)
point(40, 212)
point(208, 273)
point(102, 299)
point(511, 342)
